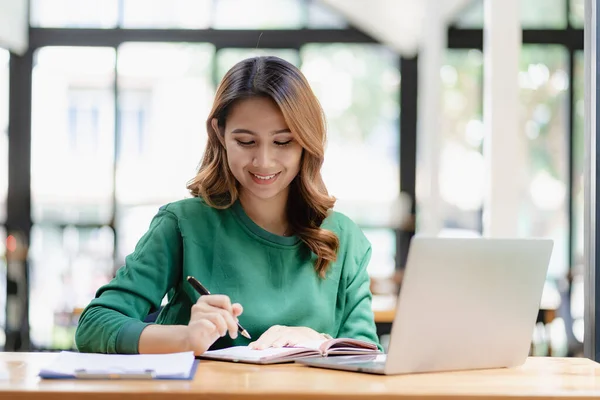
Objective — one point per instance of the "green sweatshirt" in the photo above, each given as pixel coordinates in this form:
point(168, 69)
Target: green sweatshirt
point(271, 276)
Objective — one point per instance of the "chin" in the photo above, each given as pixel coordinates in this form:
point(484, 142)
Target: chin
point(265, 195)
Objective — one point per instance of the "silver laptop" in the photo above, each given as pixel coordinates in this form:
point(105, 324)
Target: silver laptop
point(464, 304)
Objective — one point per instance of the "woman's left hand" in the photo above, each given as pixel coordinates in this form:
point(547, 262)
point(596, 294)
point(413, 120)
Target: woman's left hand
point(279, 336)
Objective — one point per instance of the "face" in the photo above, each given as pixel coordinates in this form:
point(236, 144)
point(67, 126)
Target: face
point(262, 152)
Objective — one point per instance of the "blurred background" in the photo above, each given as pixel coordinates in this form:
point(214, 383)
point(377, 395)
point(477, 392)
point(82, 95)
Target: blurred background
point(107, 105)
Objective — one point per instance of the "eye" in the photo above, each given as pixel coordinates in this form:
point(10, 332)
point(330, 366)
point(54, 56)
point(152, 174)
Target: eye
point(283, 143)
point(245, 144)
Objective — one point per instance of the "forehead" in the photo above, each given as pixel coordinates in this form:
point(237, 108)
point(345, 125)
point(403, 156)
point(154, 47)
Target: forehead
point(255, 112)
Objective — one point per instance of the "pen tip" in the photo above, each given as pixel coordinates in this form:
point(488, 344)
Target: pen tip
point(246, 334)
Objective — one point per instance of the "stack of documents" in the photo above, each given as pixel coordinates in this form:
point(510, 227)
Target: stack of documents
point(73, 365)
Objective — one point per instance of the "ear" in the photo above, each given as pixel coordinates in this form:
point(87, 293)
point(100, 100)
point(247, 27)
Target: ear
point(221, 135)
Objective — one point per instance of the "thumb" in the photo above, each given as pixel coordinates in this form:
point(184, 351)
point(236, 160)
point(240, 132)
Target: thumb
point(237, 309)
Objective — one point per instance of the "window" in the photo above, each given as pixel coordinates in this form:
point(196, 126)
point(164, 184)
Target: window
point(577, 293)
point(461, 174)
point(74, 13)
point(576, 13)
point(358, 87)
point(259, 14)
point(321, 16)
point(164, 14)
point(544, 82)
point(72, 145)
point(165, 95)
point(72, 141)
point(550, 14)
point(71, 261)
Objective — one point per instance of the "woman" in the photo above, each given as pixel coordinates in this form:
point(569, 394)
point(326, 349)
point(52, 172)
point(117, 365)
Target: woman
point(259, 231)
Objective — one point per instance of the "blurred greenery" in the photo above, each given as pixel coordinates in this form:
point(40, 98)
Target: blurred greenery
point(576, 13)
point(578, 159)
point(544, 84)
point(358, 86)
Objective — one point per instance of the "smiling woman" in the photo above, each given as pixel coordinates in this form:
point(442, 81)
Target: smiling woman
point(271, 95)
point(260, 231)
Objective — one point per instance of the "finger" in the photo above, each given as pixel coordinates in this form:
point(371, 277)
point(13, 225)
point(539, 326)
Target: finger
point(217, 319)
point(267, 338)
point(217, 300)
point(291, 342)
point(237, 309)
point(280, 342)
point(231, 322)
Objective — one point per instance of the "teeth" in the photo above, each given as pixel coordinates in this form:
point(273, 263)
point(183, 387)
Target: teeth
point(265, 178)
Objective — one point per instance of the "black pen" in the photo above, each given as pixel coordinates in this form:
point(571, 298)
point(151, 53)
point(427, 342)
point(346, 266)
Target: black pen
point(204, 291)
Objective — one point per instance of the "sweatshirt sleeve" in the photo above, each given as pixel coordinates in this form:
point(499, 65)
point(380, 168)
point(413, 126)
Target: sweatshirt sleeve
point(358, 321)
point(112, 322)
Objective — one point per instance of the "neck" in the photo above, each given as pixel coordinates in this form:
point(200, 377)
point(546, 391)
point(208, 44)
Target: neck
point(269, 214)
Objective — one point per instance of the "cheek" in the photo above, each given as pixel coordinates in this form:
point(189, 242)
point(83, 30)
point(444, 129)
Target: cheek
point(295, 159)
point(235, 159)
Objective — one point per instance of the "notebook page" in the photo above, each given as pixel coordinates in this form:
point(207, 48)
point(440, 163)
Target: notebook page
point(175, 364)
point(246, 353)
point(312, 344)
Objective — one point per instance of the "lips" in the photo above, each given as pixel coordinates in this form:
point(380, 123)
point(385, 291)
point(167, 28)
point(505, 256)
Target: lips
point(264, 179)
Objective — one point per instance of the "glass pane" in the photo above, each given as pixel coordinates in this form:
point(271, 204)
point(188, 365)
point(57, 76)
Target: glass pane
point(461, 174)
point(4, 79)
point(165, 94)
point(577, 258)
point(73, 115)
point(185, 14)
point(544, 83)
point(227, 58)
point(73, 262)
point(2, 287)
point(259, 14)
point(577, 13)
point(321, 16)
point(358, 87)
point(534, 14)
point(74, 13)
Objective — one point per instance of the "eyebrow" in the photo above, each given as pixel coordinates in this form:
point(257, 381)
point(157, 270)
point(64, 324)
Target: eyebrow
point(248, 131)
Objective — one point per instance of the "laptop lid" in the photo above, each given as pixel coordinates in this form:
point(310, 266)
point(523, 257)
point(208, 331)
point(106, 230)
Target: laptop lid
point(467, 303)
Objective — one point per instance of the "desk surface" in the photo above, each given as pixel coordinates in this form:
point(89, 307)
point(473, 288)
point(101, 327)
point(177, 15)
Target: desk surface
point(539, 378)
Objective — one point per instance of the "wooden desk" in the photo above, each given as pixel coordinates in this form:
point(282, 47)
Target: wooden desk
point(539, 378)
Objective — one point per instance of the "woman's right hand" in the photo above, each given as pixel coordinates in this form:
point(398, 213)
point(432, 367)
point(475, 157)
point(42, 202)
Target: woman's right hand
point(212, 317)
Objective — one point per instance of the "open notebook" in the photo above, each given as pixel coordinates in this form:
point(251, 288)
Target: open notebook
point(272, 355)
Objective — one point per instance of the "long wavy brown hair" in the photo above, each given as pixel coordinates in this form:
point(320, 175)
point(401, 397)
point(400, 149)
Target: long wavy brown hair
point(308, 201)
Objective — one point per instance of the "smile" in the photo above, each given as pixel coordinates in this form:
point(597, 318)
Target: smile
point(264, 179)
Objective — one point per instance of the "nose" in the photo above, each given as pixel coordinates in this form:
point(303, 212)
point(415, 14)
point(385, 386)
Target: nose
point(263, 157)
